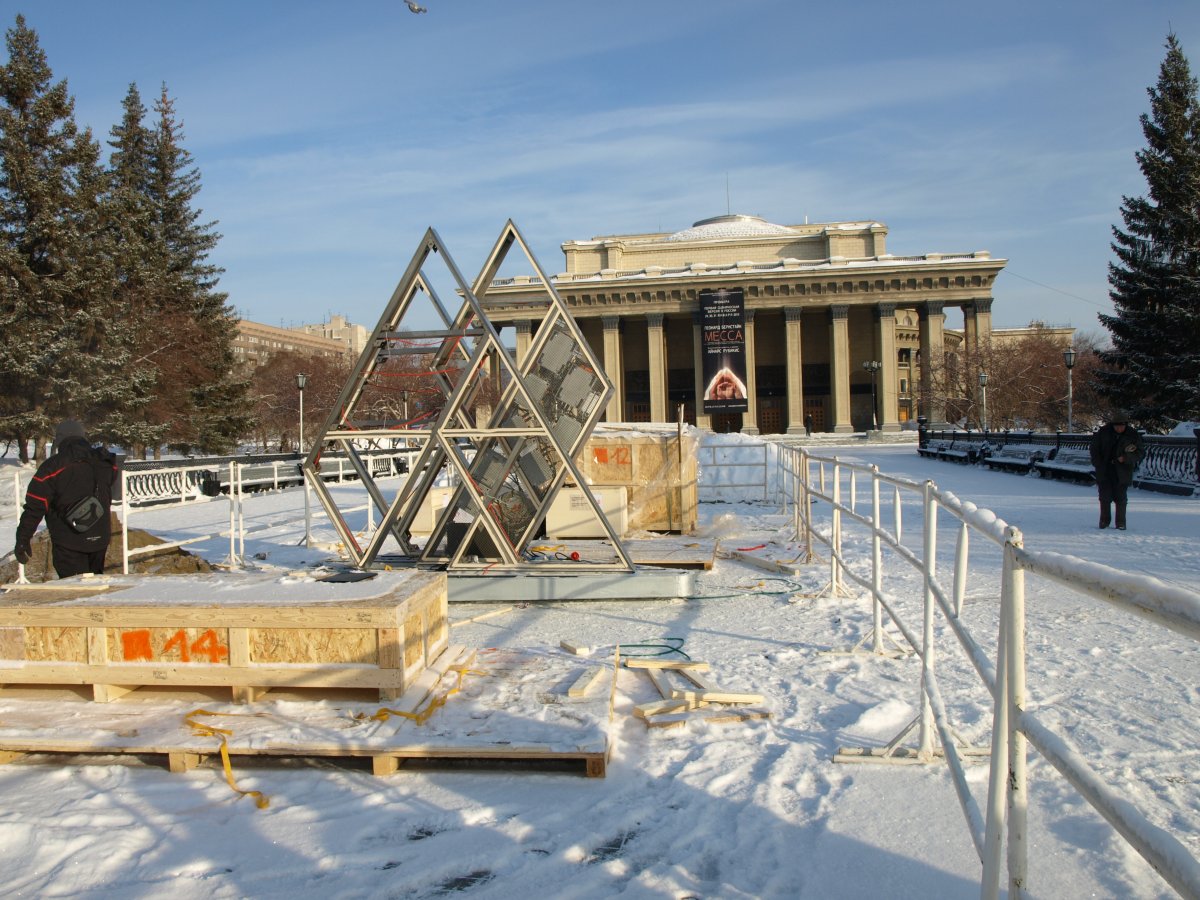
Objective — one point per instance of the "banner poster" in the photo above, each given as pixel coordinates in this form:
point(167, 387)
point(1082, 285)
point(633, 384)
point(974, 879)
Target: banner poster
point(723, 350)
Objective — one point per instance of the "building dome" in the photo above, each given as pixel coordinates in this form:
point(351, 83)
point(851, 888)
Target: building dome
point(723, 228)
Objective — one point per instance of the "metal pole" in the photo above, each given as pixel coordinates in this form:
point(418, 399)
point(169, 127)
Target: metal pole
point(960, 568)
point(983, 423)
point(300, 441)
point(927, 650)
point(876, 566)
point(874, 404)
point(1070, 411)
point(835, 532)
point(124, 522)
point(241, 518)
point(232, 514)
point(896, 511)
point(1018, 797)
point(993, 841)
point(307, 509)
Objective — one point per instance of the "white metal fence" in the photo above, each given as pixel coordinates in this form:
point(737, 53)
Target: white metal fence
point(732, 472)
point(1002, 823)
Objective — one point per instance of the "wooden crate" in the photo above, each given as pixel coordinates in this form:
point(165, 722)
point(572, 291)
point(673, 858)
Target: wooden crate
point(658, 469)
point(246, 632)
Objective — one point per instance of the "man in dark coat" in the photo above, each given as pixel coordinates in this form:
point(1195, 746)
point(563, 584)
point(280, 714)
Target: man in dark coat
point(1116, 449)
point(72, 473)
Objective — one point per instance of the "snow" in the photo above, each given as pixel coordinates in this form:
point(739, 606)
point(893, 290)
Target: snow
point(754, 809)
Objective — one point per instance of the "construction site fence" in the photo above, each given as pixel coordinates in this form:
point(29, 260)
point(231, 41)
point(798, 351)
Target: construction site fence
point(237, 487)
point(998, 829)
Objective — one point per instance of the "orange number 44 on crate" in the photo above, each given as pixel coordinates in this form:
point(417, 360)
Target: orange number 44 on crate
point(249, 633)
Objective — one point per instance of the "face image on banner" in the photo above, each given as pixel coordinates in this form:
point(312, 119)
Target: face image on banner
point(723, 350)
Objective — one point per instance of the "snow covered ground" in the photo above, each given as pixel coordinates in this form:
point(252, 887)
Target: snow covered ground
point(755, 809)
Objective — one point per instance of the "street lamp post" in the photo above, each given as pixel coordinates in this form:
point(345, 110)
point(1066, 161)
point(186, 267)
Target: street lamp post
point(983, 388)
point(873, 366)
point(1069, 359)
point(301, 382)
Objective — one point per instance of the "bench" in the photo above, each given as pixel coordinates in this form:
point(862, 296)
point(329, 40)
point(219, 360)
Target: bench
point(1070, 463)
point(955, 451)
point(965, 452)
point(1016, 458)
point(934, 448)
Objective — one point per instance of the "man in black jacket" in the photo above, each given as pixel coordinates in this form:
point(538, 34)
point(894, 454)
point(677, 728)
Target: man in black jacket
point(1116, 450)
point(74, 472)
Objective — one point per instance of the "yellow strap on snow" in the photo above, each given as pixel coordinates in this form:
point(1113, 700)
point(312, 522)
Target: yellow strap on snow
point(203, 729)
point(422, 716)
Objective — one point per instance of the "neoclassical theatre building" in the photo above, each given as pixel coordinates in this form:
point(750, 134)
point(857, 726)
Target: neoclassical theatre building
point(819, 301)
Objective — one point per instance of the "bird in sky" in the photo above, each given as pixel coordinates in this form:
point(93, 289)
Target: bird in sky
point(415, 7)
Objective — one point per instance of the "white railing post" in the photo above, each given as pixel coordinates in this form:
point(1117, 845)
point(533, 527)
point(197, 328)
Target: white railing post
point(241, 518)
point(806, 508)
point(124, 522)
point(876, 566)
point(307, 508)
point(896, 510)
point(274, 474)
point(960, 568)
point(853, 491)
point(1018, 796)
point(927, 647)
point(993, 840)
point(232, 513)
point(835, 532)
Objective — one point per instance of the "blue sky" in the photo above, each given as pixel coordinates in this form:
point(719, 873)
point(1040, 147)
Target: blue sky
point(329, 136)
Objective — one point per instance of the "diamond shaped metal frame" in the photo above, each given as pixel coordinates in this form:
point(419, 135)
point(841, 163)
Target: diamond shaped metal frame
point(508, 468)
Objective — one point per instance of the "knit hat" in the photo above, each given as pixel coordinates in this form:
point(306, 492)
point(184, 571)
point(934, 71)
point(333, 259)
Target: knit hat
point(67, 428)
point(1118, 417)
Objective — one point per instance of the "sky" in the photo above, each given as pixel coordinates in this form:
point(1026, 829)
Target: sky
point(330, 137)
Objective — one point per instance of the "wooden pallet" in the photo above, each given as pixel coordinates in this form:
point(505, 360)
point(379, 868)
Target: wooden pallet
point(245, 632)
point(511, 707)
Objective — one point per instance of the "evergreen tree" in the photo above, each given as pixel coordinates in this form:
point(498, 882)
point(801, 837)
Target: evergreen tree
point(217, 397)
point(141, 265)
point(1153, 369)
point(59, 354)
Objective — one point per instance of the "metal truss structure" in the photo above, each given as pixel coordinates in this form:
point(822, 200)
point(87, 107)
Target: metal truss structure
point(505, 434)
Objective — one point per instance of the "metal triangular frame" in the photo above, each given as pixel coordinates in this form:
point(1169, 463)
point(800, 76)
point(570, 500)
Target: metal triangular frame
point(508, 468)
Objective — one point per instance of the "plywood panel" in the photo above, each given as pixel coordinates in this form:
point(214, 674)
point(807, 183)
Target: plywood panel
point(48, 644)
point(313, 645)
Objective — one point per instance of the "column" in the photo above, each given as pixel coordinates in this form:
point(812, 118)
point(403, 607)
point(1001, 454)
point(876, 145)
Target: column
point(795, 370)
point(933, 364)
point(524, 338)
point(839, 367)
point(885, 340)
point(612, 367)
point(970, 341)
point(750, 416)
point(658, 367)
point(983, 326)
point(703, 420)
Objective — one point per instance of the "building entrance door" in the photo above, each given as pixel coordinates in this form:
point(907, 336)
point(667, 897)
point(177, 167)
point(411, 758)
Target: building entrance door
point(726, 423)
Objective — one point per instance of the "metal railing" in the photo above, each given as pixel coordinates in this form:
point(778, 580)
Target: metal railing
point(1001, 823)
point(732, 472)
point(1169, 461)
